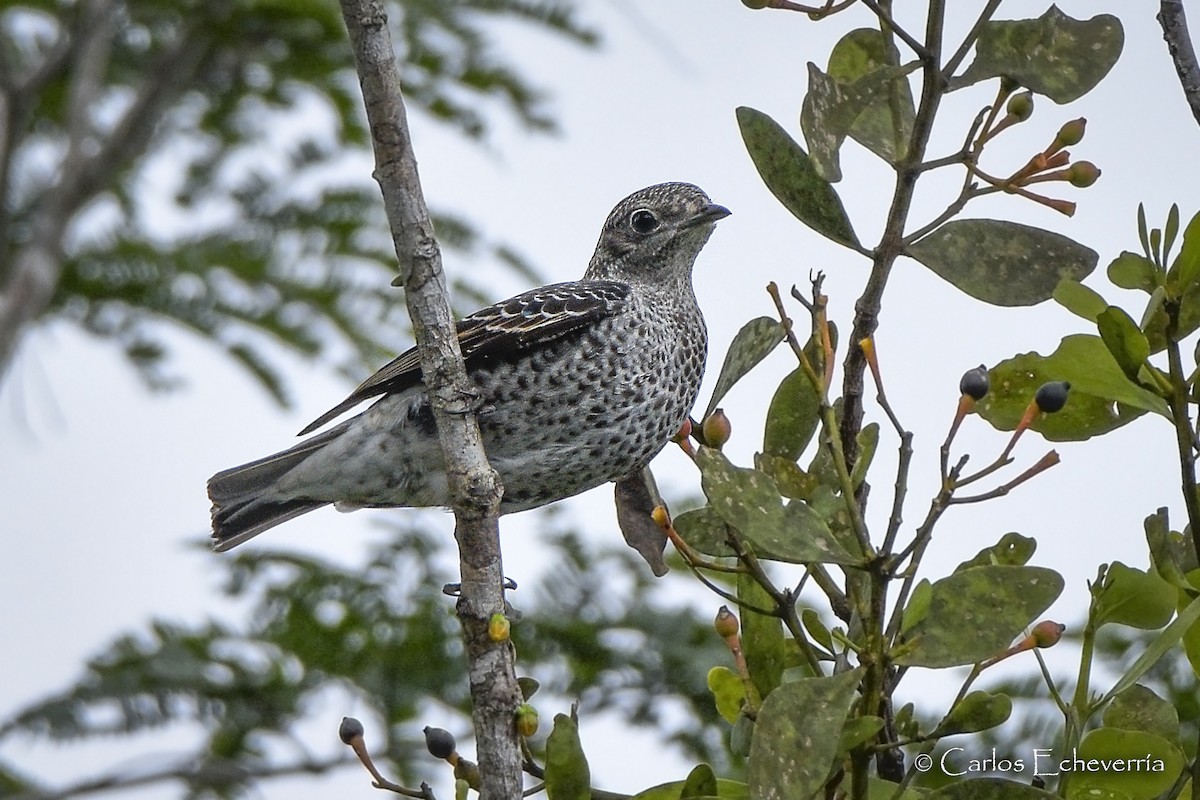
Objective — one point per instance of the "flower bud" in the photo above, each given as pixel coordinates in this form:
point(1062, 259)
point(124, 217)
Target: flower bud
point(527, 720)
point(726, 624)
point(975, 383)
point(1083, 174)
point(1047, 633)
point(440, 742)
point(661, 517)
point(716, 429)
point(685, 431)
point(499, 627)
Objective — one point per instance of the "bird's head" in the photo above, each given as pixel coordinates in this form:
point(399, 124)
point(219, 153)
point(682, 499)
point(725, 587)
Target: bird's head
point(655, 234)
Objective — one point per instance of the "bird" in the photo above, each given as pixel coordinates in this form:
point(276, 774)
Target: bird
point(577, 384)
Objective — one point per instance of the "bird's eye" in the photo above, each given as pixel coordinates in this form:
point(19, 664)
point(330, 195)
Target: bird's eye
point(643, 220)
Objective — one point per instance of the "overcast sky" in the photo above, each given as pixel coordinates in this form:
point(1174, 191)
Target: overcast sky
point(102, 484)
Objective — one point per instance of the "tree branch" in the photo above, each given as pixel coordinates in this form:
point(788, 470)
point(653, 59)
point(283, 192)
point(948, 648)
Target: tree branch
point(1179, 44)
point(474, 486)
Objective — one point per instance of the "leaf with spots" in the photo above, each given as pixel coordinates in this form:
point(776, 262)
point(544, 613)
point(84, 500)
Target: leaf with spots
point(752, 344)
point(791, 176)
point(749, 501)
point(1003, 263)
point(1054, 55)
point(976, 613)
point(1013, 550)
point(796, 736)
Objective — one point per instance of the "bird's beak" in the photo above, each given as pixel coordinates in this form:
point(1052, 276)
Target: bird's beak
point(708, 215)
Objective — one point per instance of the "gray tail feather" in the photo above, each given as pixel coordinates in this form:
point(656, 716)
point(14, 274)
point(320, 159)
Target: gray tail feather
point(239, 511)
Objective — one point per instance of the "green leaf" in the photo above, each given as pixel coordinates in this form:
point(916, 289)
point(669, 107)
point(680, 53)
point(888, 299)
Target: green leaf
point(816, 628)
point(1132, 597)
point(1140, 709)
point(868, 441)
point(918, 605)
point(793, 482)
point(990, 789)
point(796, 736)
point(700, 782)
point(1003, 263)
point(1171, 230)
point(1185, 271)
point(762, 636)
point(729, 693)
point(1159, 646)
point(1102, 398)
point(741, 736)
point(1191, 636)
point(978, 711)
point(1013, 550)
point(567, 774)
point(1124, 339)
point(977, 613)
point(730, 790)
point(1133, 271)
point(704, 530)
point(754, 342)
point(865, 95)
point(793, 417)
point(1171, 553)
point(789, 173)
point(1079, 299)
point(749, 501)
point(1115, 746)
point(1054, 55)
point(859, 730)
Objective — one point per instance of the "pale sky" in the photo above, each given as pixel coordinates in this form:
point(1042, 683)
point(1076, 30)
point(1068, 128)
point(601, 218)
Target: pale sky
point(103, 483)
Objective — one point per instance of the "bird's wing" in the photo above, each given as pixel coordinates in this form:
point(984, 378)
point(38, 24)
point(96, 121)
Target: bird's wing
point(498, 331)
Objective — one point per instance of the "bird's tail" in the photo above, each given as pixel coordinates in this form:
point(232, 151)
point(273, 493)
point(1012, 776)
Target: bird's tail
point(239, 510)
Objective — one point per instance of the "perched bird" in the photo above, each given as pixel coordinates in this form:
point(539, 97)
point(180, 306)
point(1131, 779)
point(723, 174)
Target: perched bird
point(578, 384)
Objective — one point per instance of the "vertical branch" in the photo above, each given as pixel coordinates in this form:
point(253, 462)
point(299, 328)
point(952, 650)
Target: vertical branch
point(474, 486)
point(1179, 44)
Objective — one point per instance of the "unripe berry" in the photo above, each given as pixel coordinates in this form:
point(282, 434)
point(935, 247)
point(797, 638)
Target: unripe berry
point(726, 624)
point(527, 720)
point(1047, 633)
point(974, 383)
point(1052, 396)
point(1072, 132)
point(498, 627)
point(440, 742)
point(349, 730)
point(755, 4)
point(1083, 174)
point(716, 429)
point(1020, 106)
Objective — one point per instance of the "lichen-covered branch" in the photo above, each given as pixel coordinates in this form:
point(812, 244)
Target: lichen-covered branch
point(474, 486)
point(1173, 20)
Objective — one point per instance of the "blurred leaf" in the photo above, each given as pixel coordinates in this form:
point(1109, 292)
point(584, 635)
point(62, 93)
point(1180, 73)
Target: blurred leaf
point(1109, 744)
point(1132, 597)
point(1162, 643)
point(1003, 263)
point(1079, 299)
point(1054, 55)
point(1101, 399)
point(701, 782)
point(978, 711)
point(976, 613)
point(567, 774)
point(752, 343)
point(1124, 340)
point(858, 730)
point(1140, 709)
point(989, 789)
point(796, 736)
point(790, 175)
point(762, 635)
point(729, 693)
point(816, 628)
point(1185, 271)
point(727, 789)
point(1013, 550)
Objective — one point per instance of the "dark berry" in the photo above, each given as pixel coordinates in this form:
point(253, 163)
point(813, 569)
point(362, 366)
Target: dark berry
point(974, 383)
point(349, 730)
point(1052, 396)
point(440, 742)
